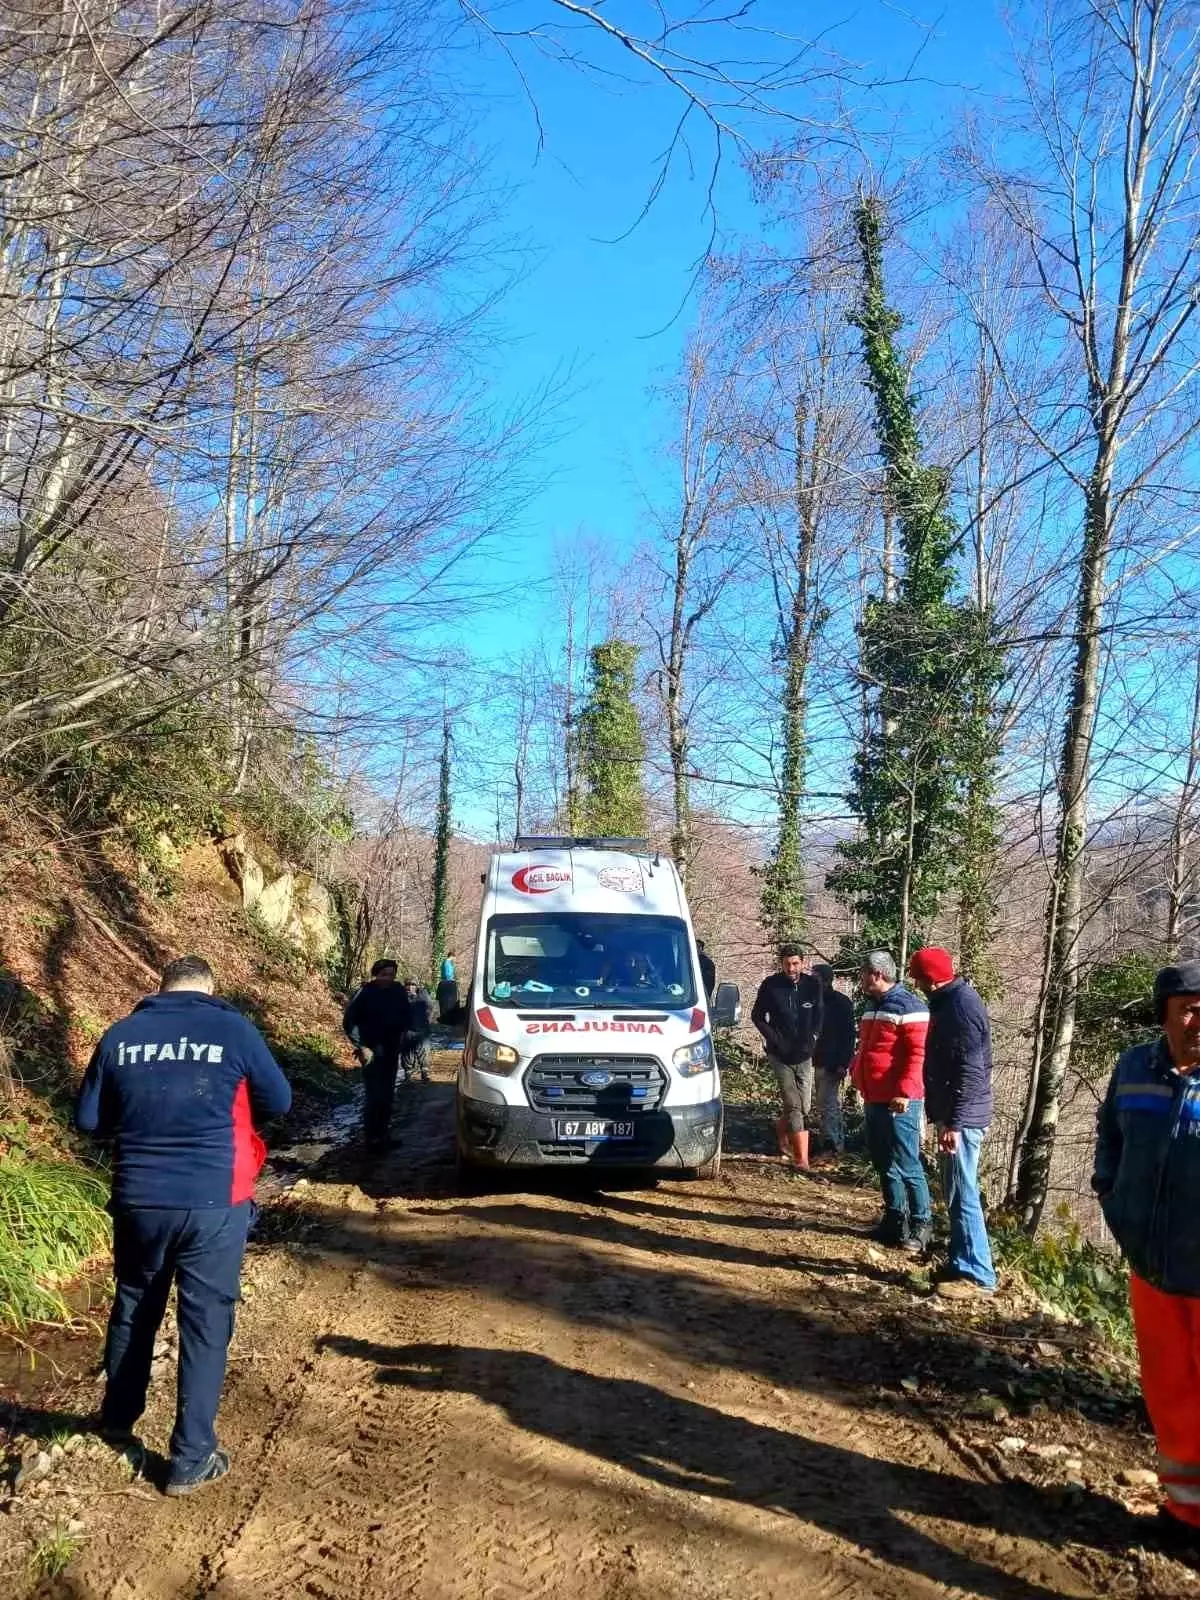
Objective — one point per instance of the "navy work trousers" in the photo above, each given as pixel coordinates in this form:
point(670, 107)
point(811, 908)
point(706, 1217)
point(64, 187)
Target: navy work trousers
point(201, 1253)
point(379, 1092)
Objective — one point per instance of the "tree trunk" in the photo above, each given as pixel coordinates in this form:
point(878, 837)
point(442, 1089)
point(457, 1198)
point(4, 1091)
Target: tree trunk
point(677, 739)
point(907, 880)
point(783, 893)
point(570, 746)
point(1055, 1025)
point(440, 912)
point(1182, 886)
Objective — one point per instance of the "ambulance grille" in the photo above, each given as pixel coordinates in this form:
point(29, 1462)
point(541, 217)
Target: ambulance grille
point(636, 1083)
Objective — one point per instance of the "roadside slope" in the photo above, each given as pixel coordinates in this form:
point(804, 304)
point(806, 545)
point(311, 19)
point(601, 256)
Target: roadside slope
point(82, 939)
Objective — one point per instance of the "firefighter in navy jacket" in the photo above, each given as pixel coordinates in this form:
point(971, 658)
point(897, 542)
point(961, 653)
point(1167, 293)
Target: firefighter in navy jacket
point(176, 1086)
point(1147, 1177)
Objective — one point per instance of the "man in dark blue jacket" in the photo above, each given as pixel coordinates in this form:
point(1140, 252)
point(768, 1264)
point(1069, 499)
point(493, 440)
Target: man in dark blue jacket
point(377, 1022)
point(176, 1086)
point(833, 1055)
point(1147, 1176)
point(958, 1101)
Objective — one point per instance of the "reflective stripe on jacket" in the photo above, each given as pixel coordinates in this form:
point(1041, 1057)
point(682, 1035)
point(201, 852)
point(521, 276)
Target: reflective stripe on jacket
point(1147, 1170)
point(890, 1060)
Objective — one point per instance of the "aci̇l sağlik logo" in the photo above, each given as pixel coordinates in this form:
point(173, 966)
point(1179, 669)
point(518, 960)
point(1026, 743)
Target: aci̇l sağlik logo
point(540, 880)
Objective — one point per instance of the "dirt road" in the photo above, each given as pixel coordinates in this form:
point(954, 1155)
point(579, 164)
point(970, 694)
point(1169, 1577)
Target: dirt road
point(685, 1390)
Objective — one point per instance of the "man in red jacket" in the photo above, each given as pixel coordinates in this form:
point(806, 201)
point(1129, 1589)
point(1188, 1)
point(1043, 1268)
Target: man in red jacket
point(888, 1070)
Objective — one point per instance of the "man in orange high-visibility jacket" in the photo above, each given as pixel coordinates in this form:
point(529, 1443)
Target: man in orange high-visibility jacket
point(1147, 1175)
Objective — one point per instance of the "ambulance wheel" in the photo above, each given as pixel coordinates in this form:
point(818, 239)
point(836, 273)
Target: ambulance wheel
point(468, 1176)
point(708, 1171)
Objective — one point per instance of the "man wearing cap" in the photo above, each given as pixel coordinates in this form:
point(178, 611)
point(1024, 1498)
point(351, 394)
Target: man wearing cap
point(1147, 1177)
point(958, 1101)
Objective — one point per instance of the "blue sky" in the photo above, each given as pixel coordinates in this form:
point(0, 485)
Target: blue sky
point(611, 317)
point(602, 302)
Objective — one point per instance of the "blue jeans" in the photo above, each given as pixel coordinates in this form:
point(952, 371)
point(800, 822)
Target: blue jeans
point(970, 1252)
point(201, 1253)
point(894, 1145)
point(832, 1125)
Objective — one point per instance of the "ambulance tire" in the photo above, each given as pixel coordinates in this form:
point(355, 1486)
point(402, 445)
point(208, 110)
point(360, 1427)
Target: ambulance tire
point(709, 1171)
point(469, 1181)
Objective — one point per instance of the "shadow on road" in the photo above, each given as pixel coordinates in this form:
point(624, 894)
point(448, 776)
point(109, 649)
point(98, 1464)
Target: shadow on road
point(685, 1445)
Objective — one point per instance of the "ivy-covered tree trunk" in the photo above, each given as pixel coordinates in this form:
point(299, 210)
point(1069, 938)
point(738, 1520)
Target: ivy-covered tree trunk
point(612, 746)
point(783, 900)
point(440, 912)
point(930, 666)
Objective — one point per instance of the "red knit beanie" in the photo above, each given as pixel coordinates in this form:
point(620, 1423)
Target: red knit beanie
point(932, 965)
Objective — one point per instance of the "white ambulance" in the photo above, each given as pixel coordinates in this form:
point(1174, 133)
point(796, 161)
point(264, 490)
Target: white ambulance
point(589, 1035)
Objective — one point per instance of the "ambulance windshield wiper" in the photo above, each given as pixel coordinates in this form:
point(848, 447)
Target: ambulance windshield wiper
point(609, 1005)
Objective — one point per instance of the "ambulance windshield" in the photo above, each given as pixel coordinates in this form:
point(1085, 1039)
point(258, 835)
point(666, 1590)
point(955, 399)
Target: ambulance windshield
point(589, 961)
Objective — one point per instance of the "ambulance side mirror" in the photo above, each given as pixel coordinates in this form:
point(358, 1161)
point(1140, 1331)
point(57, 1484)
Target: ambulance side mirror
point(726, 1008)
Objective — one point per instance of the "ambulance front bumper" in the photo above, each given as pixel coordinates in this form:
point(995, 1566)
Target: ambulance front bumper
point(679, 1137)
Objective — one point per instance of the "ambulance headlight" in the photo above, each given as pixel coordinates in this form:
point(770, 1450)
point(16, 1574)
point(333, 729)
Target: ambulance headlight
point(490, 1054)
point(692, 1059)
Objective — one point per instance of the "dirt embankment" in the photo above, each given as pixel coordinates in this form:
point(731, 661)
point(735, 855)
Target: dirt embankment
point(619, 1393)
point(82, 940)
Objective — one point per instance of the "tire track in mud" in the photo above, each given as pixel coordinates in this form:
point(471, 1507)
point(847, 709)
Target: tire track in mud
point(890, 1545)
point(567, 1396)
point(589, 1517)
point(173, 1554)
point(519, 1528)
point(348, 1506)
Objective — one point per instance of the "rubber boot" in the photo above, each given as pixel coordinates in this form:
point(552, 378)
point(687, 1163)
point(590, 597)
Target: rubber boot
point(781, 1137)
point(800, 1150)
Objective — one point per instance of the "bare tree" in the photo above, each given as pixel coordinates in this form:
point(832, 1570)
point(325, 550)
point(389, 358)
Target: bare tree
point(235, 422)
point(696, 559)
point(1105, 208)
point(1185, 828)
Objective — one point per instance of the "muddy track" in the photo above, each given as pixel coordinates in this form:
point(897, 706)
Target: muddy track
point(556, 1390)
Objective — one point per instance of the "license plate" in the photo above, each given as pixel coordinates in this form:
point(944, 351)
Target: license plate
point(595, 1128)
